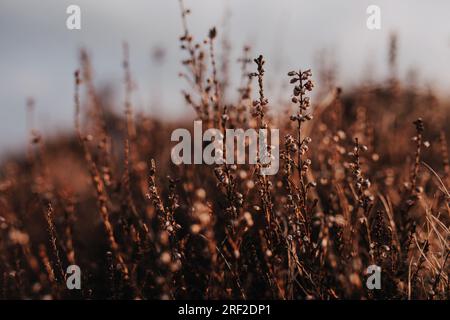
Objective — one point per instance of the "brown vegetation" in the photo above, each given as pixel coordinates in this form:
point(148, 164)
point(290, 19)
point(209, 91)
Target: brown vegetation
point(364, 179)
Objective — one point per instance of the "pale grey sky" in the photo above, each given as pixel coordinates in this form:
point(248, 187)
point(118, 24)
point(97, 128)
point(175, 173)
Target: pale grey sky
point(38, 54)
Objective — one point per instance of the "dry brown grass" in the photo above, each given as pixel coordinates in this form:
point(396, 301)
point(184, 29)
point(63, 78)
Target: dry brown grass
point(353, 190)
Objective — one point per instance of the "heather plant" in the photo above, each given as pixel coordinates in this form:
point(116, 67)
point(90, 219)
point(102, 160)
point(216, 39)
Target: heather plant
point(364, 180)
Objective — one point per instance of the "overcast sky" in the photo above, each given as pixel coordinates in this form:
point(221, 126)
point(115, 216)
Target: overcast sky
point(38, 54)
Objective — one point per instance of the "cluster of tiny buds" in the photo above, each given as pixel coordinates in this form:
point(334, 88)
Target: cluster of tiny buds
point(259, 106)
point(212, 33)
point(361, 183)
point(263, 101)
point(221, 175)
point(419, 129)
point(419, 125)
point(296, 232)
point(261, 191)
point(304, 145)
point(306, 164)
point(171, 226)
point(292, 145)
point(303, 82)
point(301, 118)
point(167, 220)
point(240, 198)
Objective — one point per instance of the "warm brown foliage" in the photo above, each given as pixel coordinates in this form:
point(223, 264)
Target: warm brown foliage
point(353, 190)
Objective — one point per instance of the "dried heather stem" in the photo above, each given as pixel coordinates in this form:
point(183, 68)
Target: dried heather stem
point(53, 241)
point(99, 186)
